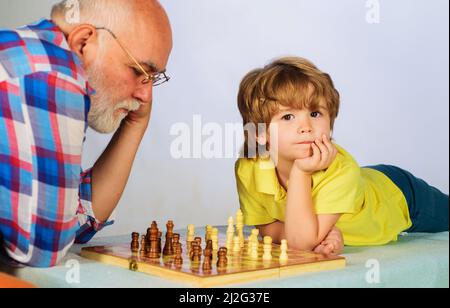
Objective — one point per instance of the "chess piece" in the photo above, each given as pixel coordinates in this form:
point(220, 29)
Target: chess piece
point(267, 256)
point(168, 247)
point(255, 233)
point(230, 234)
point(209, 246)
point(196, 253)
point(215, 239)
point(170, 226)
point(134, 242)
point(190, 234)
point(198, 239)
point(153, 252)
point(154, 225)
point(249, 241)
point(254, 250)
point(147, 236)
point(222, 261)
point(143, 245)
point(178, 261)
point(175, 239)
point(240, 227)
point(207, 266)
point(236, 245)
point(159, 242)
point(284, 248)
point(208, 233)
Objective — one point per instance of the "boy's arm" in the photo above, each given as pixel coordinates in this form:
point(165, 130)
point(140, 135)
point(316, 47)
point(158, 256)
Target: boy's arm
point(304, 229)
point(333, 243)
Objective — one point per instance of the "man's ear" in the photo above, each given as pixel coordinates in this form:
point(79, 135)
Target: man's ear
point(83, 41)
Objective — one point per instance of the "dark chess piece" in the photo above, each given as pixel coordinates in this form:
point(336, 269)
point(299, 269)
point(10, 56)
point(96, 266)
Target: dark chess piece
point(134, 242)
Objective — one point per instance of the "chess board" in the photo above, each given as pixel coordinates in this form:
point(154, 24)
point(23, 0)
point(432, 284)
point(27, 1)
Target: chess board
point(241, 268)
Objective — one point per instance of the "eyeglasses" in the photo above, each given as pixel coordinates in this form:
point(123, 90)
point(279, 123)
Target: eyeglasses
point(156, 79)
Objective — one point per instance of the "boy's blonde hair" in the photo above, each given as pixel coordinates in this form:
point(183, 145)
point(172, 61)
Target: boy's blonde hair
point(292, 82)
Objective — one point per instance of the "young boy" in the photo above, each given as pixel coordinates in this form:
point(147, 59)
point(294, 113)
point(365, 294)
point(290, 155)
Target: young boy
point(302, 185)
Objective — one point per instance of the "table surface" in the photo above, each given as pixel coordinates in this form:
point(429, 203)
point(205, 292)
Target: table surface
point(416, 260)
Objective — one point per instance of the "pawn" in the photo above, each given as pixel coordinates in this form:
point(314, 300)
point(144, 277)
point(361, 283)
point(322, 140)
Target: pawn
point(255, 233)
point(178, 255)
point(196, 253)
point(284, 248)
point(198, 239)
point(190, 233)
point(175, 239)
point(222, 260)
point(254, 250)
point(207, 266)
point(191, 249)
point(267, 256)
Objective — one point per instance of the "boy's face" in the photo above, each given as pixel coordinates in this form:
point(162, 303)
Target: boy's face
point(292, 131)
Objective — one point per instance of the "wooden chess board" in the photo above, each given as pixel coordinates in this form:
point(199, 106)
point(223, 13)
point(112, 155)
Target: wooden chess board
point(241, 268)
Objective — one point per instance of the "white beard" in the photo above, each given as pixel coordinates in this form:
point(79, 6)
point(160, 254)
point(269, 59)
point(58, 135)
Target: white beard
point(104, 116)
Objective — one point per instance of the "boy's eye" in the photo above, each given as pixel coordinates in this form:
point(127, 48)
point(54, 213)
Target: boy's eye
point(315, 114)
point(288, 117)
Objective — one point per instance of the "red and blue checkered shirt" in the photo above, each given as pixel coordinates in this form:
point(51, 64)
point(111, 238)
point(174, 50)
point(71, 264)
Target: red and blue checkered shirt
point(45, 198)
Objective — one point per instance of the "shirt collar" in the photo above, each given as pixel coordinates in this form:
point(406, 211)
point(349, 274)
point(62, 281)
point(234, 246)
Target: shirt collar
point(266, 180)
point(47, 30)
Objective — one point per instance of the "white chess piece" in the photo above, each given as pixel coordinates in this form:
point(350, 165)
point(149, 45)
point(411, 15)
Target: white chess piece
point(267, 256)
point(284, 248)
point(190, 233)
point(236, 245)
point(254, 250)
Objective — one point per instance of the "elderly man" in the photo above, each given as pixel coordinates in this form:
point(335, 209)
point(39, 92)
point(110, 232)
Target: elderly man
point(97, 67)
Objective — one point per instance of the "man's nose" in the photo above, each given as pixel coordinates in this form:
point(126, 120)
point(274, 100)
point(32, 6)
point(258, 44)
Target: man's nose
point(144, 93)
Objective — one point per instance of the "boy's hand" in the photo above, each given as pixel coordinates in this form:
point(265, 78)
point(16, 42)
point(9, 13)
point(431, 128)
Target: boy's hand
point(324, 153)
point(332, 245)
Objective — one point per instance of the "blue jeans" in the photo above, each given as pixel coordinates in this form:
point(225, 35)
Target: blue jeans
point(428, 206)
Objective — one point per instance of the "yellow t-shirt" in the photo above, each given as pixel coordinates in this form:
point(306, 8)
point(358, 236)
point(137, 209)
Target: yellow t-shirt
point(374, 210)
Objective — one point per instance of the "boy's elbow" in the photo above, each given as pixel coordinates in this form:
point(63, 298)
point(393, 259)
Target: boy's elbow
point(298, 243)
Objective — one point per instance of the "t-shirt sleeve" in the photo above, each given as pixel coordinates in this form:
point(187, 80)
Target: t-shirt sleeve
point(255, 213)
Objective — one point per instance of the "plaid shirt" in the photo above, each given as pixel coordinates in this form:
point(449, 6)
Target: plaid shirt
point(45, 199)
